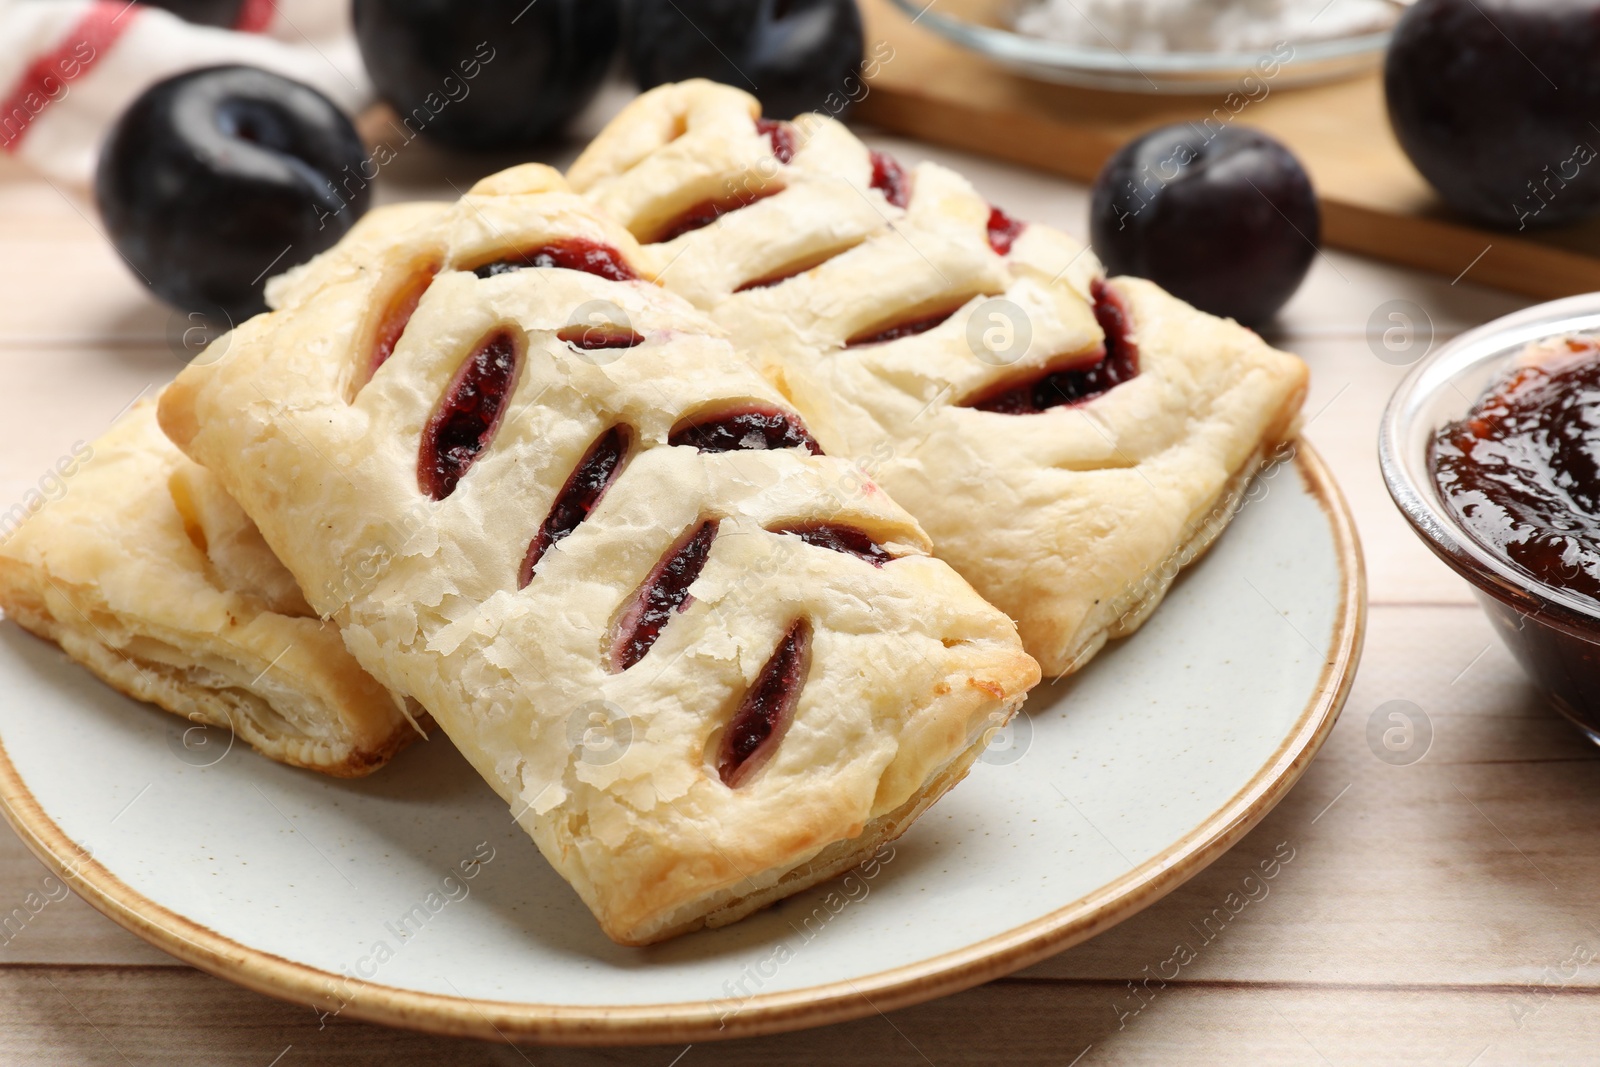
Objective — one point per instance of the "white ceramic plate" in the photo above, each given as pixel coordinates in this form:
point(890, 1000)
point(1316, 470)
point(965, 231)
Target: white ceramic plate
point(1122, 782)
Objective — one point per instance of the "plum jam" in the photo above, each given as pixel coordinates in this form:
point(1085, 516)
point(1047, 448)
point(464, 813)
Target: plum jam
point(664, 593)
point(890, 179)
point(1521, 472)
point(753, 428)
point(894, 331)
point(706, 212)
point(839, 538)
point(575, 253)
point(761, 718)
point(1076, 379)
point(781, 136)
point(397, 314)
point(468, 415)
point(1003, 231)
point(588, 482)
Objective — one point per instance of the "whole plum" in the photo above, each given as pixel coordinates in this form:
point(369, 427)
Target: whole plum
point(215, 179)
point(487, 74)
point(795, 55)
point(1223, 218)
point(1496, 101)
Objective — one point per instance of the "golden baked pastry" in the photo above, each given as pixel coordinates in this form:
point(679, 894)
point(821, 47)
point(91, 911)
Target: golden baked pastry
point(1069, 442)
point(706, 666)
point(147, 573)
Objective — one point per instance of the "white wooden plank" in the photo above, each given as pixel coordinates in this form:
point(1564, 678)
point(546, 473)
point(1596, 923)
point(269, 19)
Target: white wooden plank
point(41, 921)
point(1349, 391)
point(52, 1017)
point(56, 397)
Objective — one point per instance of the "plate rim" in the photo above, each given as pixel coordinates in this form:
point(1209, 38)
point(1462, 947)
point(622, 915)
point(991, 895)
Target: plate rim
point(951, 972)
point(1093, 66)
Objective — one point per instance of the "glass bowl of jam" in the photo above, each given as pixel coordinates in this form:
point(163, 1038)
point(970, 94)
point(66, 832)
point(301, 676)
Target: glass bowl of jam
point(1491, 449)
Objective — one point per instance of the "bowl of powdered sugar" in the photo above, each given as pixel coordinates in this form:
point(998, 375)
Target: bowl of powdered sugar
point(1198, 46)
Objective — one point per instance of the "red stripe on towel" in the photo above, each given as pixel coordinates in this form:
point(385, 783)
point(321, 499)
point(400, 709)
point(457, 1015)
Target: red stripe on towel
point(47, 78)
point(255, 16)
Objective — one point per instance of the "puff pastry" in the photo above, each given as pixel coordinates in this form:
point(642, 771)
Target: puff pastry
point(147, 573)
point(1067, 470)
point(704, 665)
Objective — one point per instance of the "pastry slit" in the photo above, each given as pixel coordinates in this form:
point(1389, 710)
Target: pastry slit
point(1072, 379)
point(601, 335)
point(392, 324)
point(903, 326)
point(590, 479)
point(799, 267)
point(590, 257)
point(838, 537)
point(1003, 231)
point(469, 413)
point(890, 179)
point(663, 593)
point(754, 427)
point(781, 137)
point(1064, 382)
point(757, 727)
point(703, 214)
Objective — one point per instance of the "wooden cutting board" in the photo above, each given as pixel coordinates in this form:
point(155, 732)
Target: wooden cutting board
point(1373, 201)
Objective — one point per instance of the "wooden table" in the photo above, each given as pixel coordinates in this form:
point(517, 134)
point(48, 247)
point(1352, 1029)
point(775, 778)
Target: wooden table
point(1438, 913)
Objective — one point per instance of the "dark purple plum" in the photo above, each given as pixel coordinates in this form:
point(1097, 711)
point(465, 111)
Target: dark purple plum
point(487, 74)
point(216, 179)
point(1496, 101)
point(1224, 218)
point(794, 55)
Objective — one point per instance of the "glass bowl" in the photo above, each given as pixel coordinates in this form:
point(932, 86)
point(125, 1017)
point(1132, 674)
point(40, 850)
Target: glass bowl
point(1553, 634)
point(983, 26)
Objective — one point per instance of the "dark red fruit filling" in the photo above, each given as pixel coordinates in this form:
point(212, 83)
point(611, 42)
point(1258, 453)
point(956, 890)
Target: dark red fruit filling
point(757, 727)
point(781, 134)
point(1112, 313)
point(753, 428)
point(396, 315)
point(664, 592)
point(878, 335)
point(706, 212)
point(600, 335)
point(468, 414)
point(846, 539)
point(576, 253)
point(1116, 362)
point(1003, 231)
point(891, 179)
point(588, 482)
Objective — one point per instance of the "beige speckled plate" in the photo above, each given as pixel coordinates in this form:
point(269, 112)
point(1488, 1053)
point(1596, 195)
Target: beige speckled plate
point(410, 898)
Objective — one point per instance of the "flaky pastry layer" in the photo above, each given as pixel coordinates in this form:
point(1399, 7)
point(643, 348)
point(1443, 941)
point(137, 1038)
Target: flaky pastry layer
point(1073, 520)
point(614, 771)
point(147, 573)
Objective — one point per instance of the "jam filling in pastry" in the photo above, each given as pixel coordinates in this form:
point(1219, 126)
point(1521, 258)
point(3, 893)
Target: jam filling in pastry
point(148, 574)
point(1068, 441)
point(706, 664)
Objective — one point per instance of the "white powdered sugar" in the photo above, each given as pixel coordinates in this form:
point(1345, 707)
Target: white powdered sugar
point(1201, 25)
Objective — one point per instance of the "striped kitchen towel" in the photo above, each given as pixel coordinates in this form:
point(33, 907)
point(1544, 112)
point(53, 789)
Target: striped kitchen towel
point(68, 68)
